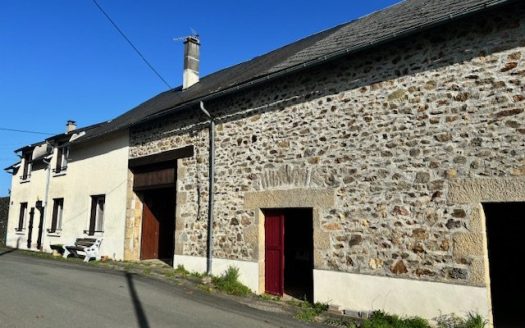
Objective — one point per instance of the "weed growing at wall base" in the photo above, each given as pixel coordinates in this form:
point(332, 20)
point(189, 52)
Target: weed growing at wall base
point(181, 270)
point(228, 282)
point(382, 320)
point(454, 321)
point(308, 311)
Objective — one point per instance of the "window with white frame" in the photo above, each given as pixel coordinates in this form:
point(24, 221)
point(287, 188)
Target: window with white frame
point(22, 217)
point(61, 160)
point(56, 219)
point(96, 219)
point(26, 173)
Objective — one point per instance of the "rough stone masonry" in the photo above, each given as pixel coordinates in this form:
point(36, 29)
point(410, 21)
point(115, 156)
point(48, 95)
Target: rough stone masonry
point(388, 131)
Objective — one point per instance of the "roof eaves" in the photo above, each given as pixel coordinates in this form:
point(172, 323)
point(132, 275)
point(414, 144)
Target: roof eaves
point(30, 146)
point(79, 130)
point(13, 166)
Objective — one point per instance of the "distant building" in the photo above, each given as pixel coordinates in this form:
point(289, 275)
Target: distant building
point(379, 164)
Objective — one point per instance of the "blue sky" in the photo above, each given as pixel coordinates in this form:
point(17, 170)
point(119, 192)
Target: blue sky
point(61, 59)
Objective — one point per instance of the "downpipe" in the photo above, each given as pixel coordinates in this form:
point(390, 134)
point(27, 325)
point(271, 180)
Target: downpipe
point(211, 187)
point(44, 205)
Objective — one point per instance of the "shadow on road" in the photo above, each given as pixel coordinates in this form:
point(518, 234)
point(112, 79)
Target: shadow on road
point(137, 305)
point(8, 251)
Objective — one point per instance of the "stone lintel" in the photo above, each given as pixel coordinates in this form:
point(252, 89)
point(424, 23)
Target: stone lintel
point(477, 190)
point(315, 198)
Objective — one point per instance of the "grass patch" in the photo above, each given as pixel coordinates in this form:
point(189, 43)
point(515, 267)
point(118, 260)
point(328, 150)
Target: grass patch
point(454, 321)
point(181, 270)
point(269, 297)
point(307, 311)
point(205, 288)
point(380, 319)
point(196, 275)
point(128, 266)
point(170, 274)
point(229, 283)
point(346, 323)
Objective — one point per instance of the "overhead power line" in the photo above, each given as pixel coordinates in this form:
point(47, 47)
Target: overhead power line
point(25, 131)
point(131, 44)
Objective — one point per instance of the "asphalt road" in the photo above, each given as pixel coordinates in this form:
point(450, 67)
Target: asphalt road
point(36, 292)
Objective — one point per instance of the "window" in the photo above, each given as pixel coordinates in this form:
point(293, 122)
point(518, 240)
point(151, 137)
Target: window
point(22, 217)
point(26, 174)
point(96, 220)
point(61, 162)
point(56, 220)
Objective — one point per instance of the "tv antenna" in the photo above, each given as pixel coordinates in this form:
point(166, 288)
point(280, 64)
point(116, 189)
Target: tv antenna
point(193, 34)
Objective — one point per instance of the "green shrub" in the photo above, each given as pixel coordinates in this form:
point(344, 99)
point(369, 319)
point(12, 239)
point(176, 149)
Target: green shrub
point(454, 321)
point(380, 319)
point(474, 321)
point(228, 282)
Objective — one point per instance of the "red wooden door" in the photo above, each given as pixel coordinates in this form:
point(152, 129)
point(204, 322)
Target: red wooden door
point(274, 253)
point(150, 232)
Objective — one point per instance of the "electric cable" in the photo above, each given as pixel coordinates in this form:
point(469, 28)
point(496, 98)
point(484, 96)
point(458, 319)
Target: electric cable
point(25, 131)
point(131, 44)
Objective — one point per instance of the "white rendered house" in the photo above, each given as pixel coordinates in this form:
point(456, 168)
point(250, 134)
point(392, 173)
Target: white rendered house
point(62, 190)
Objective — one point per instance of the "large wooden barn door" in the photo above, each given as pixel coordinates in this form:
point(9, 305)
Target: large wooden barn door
point(150, 231)
point(274, 253)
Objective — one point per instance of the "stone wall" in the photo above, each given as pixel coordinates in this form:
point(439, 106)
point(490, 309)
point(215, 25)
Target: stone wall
point(388, 131)
point(4, 211)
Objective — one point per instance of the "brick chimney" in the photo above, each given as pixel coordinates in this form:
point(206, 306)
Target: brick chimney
point(71, 126)
point(191, 61)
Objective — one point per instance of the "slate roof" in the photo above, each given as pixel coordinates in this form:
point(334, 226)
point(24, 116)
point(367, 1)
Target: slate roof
point(58, 137)
point(399, 20)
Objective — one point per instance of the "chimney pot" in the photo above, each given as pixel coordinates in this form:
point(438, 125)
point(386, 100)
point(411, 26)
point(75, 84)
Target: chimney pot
point(191, 61)
point(71, 126)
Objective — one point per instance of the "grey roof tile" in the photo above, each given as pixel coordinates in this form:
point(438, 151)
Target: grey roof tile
point(403, 18)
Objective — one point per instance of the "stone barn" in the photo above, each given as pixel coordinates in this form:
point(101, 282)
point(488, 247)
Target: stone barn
point(378, 165)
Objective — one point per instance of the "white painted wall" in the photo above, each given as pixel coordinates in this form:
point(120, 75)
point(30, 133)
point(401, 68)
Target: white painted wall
point(94, 168)
point(359, 292)
point(30, 191)
point(248, 271)
point(366, 293)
